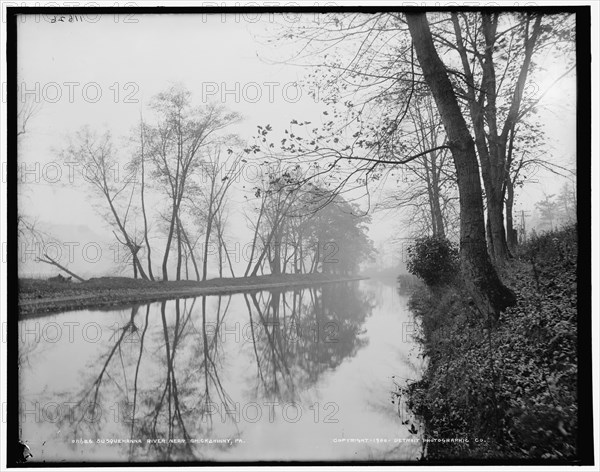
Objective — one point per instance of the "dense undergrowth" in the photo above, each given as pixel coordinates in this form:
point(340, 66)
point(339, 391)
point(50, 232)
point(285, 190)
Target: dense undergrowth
point(511, 388)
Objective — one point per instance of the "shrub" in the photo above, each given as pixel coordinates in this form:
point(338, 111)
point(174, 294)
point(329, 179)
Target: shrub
point(433, 259)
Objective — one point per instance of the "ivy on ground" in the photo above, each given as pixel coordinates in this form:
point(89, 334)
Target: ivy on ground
point(510, 388)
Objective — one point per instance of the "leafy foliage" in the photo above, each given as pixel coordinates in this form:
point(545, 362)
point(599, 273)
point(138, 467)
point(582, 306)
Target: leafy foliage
point(308, 228)
point(433, 259)
point(509, 389)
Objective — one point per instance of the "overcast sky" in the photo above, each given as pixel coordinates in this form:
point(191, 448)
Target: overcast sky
point(101, 71)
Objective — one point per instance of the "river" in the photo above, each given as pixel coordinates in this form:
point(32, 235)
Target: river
point(305, 374)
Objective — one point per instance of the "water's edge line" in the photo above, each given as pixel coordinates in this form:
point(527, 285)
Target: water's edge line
point(35, 308)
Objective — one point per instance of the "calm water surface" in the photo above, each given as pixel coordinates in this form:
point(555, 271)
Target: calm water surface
point(292, 375)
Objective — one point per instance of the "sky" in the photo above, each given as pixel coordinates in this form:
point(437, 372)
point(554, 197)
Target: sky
point(102, 71)
point(102, 74)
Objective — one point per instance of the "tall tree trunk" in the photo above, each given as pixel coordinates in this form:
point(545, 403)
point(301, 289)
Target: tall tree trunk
point(435, 194)
point(178, 249)
point(222, 246)
point(276, 266)
point(206, 242)
point(259, 262)
point(492, 144)
point(191, 252)
point(267, 246)
point(496, 146)
point(434, 229)
point(146, 239)
point(296, 260)
point(426, 128)
point(187, 271)
point(488, 235)
point(298, 256)
point(133, 247)
point(177, 190)
point(508, 132)
point(509, 188)
point(511, 232)
point(165, 263)
point(255, 237)
point(226, 254)
point(212, 209)
point(481, 277)
point(496, 225)
point(220, 257)
point(314, 268)
point(284, 259)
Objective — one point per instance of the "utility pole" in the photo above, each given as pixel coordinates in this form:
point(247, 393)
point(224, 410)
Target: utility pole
point(522, 229)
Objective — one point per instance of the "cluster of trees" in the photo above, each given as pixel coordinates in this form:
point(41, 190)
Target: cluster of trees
point(174, 183)
point(428, 199)
point(407, 91)
point(438, 102)
point(181, 158)
point(557, 210)
point(305, 228)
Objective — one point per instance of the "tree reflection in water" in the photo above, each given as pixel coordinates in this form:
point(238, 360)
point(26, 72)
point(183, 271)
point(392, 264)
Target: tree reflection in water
point(160, 374)
point(298, 335)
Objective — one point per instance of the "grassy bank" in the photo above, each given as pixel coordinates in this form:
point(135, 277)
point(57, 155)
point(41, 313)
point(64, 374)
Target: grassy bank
point(510, 390)
point(37, 296)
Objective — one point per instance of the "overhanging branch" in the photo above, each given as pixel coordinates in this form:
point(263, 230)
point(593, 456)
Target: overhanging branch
point(404, 161)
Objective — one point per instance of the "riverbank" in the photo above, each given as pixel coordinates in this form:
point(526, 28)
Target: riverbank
point(38, 297)
point(509, 390)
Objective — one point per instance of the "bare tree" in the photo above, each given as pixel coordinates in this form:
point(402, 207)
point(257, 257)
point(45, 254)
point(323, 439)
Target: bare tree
point(142, 162)
point(39, 241)
point(496, 53)
point(526, 157)
point(426, 185)
point(99, 166)
point(208, 199)
point(26, 110)
point(176, 145)
point(220, 225)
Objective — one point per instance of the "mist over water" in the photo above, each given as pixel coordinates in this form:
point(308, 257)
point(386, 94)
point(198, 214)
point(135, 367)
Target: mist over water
point(296, 375)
